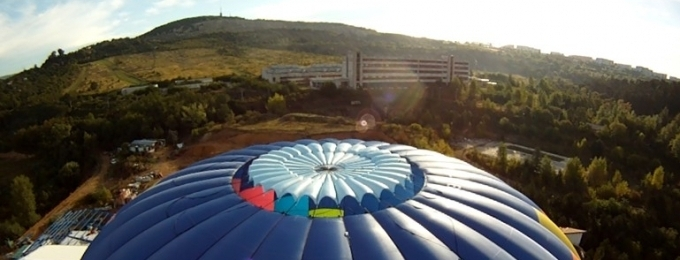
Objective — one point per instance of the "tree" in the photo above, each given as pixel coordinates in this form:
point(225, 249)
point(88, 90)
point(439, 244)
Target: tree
point(193, 115)
point(11, 229)
point(69, 172)
point(597, 175)
point(328, 90)
point(173, 137)
point(617, 129)
point(446, 130)
point(546, 171)
point(675, 146)
point(504, 123)
point(655, 180)
point(220, 110)
point(23, 201)
point(101, 197)
point(502, 158)
point(277, 105)
point(573, 176)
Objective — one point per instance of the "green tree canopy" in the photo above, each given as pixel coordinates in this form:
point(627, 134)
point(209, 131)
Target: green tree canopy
point(277, 104)
point(22, 201)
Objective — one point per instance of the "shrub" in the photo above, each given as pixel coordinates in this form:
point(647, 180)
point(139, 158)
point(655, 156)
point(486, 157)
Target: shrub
point(100, 197)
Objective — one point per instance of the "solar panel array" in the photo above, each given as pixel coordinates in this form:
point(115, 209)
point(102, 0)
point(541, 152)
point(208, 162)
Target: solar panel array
point(76, 220)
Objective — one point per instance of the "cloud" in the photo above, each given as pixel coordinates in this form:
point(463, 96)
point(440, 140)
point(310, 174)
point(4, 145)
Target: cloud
point(159, 5)
point(28, 32)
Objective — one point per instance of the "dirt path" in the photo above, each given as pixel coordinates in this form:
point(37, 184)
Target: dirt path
point(67, 204)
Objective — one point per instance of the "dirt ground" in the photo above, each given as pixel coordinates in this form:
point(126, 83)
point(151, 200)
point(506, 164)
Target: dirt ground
point(212, 144)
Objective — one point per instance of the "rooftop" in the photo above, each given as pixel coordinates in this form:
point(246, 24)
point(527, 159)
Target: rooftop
point(56, 252)
point(64, 231)
point(143, 142)
point(569, 230)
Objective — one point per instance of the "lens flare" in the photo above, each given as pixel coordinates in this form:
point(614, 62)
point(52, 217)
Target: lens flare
point(365, 123)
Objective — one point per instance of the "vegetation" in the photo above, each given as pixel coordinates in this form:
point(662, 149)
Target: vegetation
point(622, 178)
point(623, 133)
point(214, 46)
point(337, 39)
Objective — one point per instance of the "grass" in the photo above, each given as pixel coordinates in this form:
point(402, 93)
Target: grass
point(121, 71)
point(106, 73)
point(302, 123)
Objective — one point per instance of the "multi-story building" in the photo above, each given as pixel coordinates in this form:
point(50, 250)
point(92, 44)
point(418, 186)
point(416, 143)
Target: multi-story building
point(193, 83)
point(620, 66)
point(130, 90)
point(462, 70)
point(528, 49)
point(674, 78)
point(302, 75)
point(604, 61)
point(581, 58)
point(644, 71)
point(370, 71)
point(658, 75)
point(360, 70)
point(556, 53)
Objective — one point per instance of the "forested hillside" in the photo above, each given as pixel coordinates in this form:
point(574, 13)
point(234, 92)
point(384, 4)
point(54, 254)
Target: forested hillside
point(337, 39)
point(229, 35)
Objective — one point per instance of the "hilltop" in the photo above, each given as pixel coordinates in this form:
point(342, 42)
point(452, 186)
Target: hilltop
point(210, 46)
point(336, 39)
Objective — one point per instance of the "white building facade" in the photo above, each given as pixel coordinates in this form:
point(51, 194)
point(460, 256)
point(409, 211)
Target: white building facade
point(302, 75)
point(368, 71)
point(528, 49)
point(130, 90)
point(604, 61)
point(581, 58)
point(658, 75)
point(620, 66)
point(358, 70)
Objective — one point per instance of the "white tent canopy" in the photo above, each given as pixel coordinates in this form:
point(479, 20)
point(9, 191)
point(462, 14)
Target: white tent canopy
point(57, 252)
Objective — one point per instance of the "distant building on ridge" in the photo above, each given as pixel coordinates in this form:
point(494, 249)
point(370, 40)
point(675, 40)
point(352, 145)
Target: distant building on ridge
point(371, 71)
point(604, 61)
point(130, 90)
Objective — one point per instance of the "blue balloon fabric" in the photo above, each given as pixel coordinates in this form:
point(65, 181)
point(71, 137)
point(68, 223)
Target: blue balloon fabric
point(331, 199)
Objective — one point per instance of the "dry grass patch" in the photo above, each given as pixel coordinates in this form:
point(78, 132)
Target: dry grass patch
point(303, 123)
point(121, 71)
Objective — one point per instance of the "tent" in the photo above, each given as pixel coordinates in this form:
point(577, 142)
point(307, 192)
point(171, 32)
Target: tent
point(331, 199)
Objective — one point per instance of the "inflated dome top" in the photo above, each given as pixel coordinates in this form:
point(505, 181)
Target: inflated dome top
point(331, 199)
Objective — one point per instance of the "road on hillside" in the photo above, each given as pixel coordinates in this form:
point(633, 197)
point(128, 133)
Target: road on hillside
point(67, 204)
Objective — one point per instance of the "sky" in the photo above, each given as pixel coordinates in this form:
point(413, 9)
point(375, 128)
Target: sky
point(635, 32)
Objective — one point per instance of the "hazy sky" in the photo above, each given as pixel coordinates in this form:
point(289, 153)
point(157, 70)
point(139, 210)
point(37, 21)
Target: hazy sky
point(635, 32)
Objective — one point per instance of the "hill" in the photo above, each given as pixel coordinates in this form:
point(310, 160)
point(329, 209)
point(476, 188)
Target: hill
point(336, 39)
point(196, 26)
point(215, 46)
